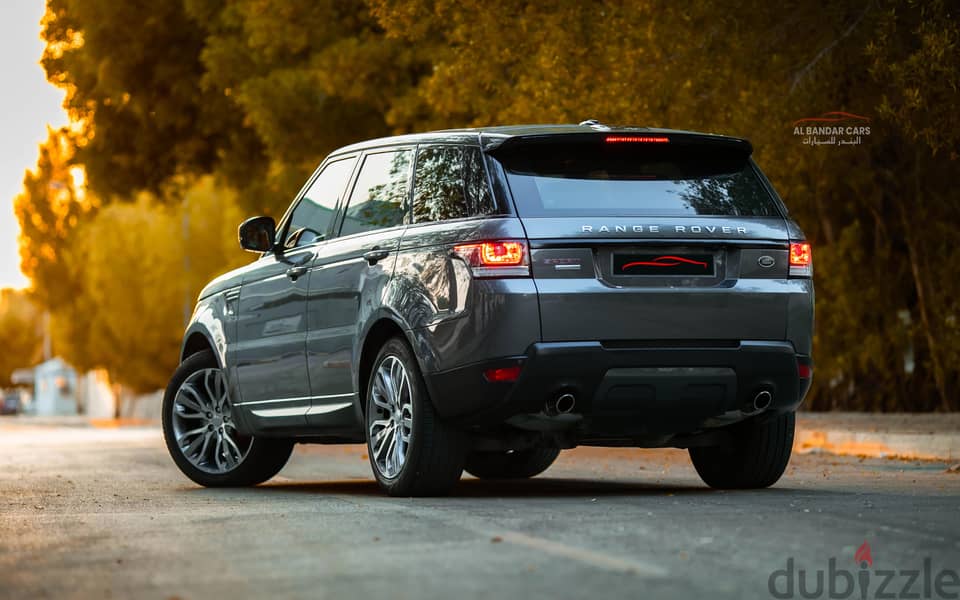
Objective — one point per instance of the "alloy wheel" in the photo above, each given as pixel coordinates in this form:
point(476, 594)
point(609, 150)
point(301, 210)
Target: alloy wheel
point(203, 423)
point(391, 425)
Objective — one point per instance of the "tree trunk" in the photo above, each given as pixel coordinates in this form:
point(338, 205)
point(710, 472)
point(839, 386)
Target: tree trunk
point(913, 253)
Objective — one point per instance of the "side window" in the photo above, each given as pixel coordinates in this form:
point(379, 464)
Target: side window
point(379, 196)
point(310, 220)
point(450, 183)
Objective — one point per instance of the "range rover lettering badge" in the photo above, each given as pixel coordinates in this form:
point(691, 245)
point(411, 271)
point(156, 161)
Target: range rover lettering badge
point(766, 261)
point(725, 229)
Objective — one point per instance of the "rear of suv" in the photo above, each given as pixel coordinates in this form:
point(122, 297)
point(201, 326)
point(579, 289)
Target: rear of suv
point(481, 299)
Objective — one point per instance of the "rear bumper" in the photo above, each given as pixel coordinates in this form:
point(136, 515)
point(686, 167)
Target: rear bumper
point(628, 389)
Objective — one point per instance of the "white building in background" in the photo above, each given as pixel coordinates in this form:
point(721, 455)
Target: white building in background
point(58, 390)
point(54, 389)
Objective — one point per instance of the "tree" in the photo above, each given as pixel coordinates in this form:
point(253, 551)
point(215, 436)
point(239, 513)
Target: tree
point(50, 208)
point(255, 92)
point(131, 71)
point(141, 262)
point(887, 310)
point(20, 335)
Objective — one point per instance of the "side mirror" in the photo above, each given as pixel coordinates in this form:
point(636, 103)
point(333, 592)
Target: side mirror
point(257, 234)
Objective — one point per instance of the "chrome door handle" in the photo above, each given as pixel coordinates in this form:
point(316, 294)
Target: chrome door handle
point(375, 255)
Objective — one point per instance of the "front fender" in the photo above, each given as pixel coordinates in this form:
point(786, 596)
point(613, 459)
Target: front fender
point(209, 320)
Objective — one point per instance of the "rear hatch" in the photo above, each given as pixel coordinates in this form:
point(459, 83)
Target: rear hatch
point(666, 238)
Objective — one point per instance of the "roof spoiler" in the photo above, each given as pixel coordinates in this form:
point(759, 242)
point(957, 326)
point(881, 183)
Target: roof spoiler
point(495, 145)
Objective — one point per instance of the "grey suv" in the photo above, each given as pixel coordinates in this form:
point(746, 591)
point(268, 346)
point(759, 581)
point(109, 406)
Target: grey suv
point(481, 299)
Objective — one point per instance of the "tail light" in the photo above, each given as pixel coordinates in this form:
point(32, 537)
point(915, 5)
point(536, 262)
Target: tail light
point(503, 258)
point(801, 260)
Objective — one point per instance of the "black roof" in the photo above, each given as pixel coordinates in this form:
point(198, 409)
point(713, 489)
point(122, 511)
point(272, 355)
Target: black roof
point(491, 138)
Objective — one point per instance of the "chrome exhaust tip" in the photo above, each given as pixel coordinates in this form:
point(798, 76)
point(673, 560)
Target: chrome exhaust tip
point(561, 405)
point(762, 400)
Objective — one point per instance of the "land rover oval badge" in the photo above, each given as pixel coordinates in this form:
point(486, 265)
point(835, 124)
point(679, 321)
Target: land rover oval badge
point(766, 261)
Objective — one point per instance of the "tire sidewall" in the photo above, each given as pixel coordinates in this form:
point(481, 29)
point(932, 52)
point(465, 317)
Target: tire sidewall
point(411, 466)
point(246, 473)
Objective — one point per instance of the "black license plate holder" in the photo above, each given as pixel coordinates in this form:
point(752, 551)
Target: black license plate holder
point(663, 264)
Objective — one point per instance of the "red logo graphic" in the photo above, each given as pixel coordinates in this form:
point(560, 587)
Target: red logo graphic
point(664, 261)
point(862, 555)
point(832, 117)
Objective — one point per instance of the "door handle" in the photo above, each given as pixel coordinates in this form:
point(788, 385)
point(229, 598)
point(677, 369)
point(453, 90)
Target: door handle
point(294, 272)
point(300, 265)
point(375, 255)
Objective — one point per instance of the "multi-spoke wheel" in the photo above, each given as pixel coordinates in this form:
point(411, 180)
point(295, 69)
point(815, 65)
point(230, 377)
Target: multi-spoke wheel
point(393, 403)
point(201, 432)
point(203, 423)
point(412, 453)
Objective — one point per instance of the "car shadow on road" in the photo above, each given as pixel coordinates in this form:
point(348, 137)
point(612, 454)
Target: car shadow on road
point(527, 488)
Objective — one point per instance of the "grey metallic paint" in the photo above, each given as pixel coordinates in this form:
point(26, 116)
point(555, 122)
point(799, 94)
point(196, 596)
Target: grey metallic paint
point(453, 320)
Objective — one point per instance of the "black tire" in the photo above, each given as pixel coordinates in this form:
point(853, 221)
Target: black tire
point(263, 460)
point(520, 464)
point(756, 456)
point(433, 455)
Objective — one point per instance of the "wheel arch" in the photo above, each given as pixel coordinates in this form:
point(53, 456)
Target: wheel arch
point(197, 339)
point(379, 331)
point(384, 326)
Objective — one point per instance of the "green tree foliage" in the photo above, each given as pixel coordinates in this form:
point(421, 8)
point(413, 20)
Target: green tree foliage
point(21, 337)
point(255, 92)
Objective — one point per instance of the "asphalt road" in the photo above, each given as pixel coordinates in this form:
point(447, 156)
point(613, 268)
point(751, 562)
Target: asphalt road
point(100, 513)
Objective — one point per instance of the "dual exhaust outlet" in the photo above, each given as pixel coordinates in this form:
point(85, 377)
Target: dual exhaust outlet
point(566, 402)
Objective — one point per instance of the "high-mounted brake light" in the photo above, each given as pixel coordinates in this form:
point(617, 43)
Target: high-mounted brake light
point(502, 258)
point(636, 139)
point(801, 259)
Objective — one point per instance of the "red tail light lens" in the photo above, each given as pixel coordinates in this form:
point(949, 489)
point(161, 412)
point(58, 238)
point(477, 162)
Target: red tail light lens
point(636, 139)
point(503, 258)
point(502, 375)
point(801, 260)
point(804, 371)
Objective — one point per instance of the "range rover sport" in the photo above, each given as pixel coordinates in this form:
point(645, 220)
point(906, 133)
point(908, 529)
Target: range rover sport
point(481, 299)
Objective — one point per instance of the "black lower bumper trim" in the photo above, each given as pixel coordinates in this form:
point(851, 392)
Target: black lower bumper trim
point(627, 389)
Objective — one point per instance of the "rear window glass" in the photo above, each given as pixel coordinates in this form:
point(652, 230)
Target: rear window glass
point(450, 183)
point(600, 180)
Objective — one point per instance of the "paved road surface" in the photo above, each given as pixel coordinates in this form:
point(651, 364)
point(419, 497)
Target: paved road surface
point(101, 513)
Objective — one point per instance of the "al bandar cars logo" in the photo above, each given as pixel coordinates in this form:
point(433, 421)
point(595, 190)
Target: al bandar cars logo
point(864, 581)
point(836, 128)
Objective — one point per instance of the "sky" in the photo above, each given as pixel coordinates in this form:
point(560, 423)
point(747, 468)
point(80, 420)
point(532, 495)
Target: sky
point(27, 104)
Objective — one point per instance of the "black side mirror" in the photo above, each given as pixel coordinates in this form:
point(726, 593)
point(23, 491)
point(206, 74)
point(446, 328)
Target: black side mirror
point(257, 234)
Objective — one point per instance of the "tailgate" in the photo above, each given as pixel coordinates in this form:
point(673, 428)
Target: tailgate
point(638, 237)
point(668, 284)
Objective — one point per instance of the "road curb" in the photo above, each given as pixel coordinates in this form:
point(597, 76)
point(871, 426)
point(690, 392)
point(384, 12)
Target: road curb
point(874, 444)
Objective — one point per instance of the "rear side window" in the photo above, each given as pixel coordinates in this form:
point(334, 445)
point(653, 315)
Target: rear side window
point(450, 183)
point(607, 180)
point(310, 220)
point(379, 197)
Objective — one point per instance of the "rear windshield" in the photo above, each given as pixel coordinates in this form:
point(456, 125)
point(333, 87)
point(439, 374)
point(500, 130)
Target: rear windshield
point(626, 180)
